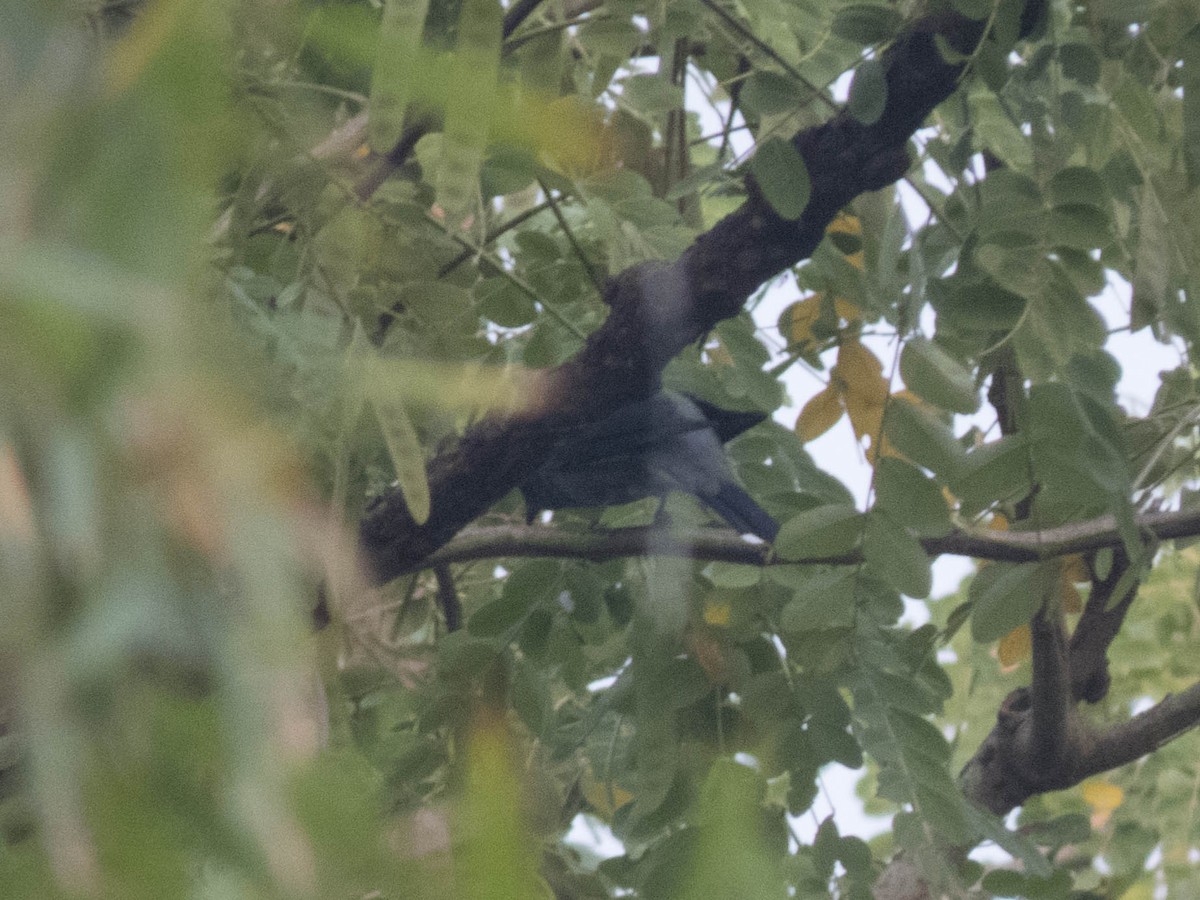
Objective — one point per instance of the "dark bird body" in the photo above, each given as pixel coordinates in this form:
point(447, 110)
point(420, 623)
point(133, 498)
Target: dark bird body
point(669, 442)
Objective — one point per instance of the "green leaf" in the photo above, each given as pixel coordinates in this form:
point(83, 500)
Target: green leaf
point(998, 472)
point(922, 437)
point(395, 60)
point(896, 555)
point(651, 95)
point(821, 532)
point(504, 303)
point(1079, 226)
point(825, 601)
point(912, 754)
point(910, 497)
point(974, 9)
point(868, 92)
point(975, 303)
point(769, 93)
point(1077, 185)
point(1080, 62)
point(1015, 843)
point(998, 133)
point(526, 586)
point(866, 23)
point(781, 174)
point(474, 69)
point(732, 856)
point(404, 447)
point(1007, 595)
point(938, 378)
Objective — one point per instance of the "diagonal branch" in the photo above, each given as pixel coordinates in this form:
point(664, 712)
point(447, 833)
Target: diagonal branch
point(657, 309)
point(1172, 717)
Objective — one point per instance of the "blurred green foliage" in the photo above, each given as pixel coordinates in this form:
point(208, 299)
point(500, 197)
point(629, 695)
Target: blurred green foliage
point(214, 348)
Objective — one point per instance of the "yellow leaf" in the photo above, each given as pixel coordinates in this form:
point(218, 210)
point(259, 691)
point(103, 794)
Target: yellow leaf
point(820, 413)
point(1075, 570)
point(845, 223)
point(801, 318)
point(1071, 601)
point(1014, 648)
point(605, 797)
point(865, 416)
point(570, 134)
point(1103, 797)
point(717, 611)
point(860, 372)
point(707, 649)
point(718, 355)
point(859, 376)
point(846, 310)
point(998, 522)
point(858, 259)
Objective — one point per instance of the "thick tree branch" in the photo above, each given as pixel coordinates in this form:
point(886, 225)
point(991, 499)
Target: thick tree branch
point(657, 309)
point(1050, 690)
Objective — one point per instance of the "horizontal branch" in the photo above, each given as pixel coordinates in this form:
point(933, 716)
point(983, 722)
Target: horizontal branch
point(723, 545)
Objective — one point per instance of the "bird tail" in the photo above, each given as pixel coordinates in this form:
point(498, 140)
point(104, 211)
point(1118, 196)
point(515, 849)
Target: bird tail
point(738, 508)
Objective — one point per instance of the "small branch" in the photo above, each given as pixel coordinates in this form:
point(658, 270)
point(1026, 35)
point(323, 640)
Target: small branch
point(495, 232)
point(723, 545)
point(539, 541)
point(594, 276)
point(448, 597)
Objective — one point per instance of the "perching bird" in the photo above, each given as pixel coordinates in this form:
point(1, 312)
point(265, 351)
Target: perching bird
point(669, 442)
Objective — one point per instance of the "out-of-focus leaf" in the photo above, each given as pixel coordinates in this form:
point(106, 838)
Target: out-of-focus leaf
point(498, 857)
point(732, 857)
point(866, 23)
point(473, 74)
point(395, 61)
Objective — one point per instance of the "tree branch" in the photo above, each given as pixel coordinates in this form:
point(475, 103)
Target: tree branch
point(1144, 733)
point(1050, 689)
point(517, 14)
point(723, 545)
point(1097, 627)
point(657, 309)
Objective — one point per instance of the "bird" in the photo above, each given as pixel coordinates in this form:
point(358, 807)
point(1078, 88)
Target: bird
point(667, 442)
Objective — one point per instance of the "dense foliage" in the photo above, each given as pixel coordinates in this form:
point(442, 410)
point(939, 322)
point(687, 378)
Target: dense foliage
point(293, 293)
